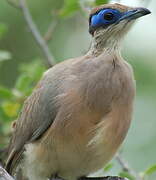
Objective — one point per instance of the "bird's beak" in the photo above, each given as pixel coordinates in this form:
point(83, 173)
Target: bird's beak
point(135, 13)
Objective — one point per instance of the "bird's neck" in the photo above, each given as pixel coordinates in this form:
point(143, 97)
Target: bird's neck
point(101, 43)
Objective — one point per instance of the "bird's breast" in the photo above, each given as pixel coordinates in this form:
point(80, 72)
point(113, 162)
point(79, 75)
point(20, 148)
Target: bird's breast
point(113, 95)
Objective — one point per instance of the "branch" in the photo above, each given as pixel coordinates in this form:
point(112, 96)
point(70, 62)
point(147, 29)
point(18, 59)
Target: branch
point(41, 42)
point(4, 175)
point(35, 32)
point(103, 178)
point(95, 178)
point(48, 35)
point(126, 168)
point(13, 3)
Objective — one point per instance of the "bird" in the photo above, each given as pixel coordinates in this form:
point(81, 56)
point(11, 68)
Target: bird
point(80, 111)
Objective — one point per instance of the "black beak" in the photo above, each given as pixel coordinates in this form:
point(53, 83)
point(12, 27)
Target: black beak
point(135, 13)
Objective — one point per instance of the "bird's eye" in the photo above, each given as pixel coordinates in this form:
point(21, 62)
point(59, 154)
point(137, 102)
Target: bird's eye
point(108, 16)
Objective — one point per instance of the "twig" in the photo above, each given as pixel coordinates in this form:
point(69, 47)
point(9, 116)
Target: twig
point(48, 35)
point(13, 3)
point(125, 167)
point(50, 60)
point(103, 178)
point(41, 42)
point(4, 175)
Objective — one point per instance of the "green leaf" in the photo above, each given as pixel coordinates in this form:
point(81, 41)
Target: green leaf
point(34, 70)
point(108, 167)
point(3, 117)
point(3, 29)
point(23, 82)
point(99, 2)
point(150, 170)
point(4, 55)
point(126, 175)
point(5, 93)
point(11, 109)
point(70, 6)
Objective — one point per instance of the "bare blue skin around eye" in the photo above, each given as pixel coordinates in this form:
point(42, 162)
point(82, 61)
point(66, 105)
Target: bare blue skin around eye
point(98, 19)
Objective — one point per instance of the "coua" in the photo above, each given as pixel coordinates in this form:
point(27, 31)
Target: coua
point(79, 113)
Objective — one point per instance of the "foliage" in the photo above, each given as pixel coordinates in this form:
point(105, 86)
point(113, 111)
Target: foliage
point(125, 174)
point(3, 29)
point(151, 170)
point(99, 2)
point(70, 6)
point(4, 55)
point(11, 99)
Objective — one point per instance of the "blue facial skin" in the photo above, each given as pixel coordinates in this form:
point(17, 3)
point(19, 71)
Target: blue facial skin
point(106, 17)
point(103, 18)
point(99, 20)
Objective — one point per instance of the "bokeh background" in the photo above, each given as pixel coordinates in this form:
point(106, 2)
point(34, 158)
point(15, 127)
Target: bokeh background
point(22, 64)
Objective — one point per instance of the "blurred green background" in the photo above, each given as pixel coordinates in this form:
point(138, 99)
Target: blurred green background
point(21, 66)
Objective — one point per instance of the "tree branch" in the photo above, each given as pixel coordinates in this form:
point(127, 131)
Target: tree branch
point(48, 35)
point(13, 3)
point(4, 175)
point(40, 41)
point(50, 60)
point(103, 178)
point(127, 168)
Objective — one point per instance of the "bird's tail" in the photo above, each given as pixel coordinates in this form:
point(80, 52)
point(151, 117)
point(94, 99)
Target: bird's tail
point(12, 161)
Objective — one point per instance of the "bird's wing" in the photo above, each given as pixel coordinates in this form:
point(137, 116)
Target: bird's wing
point(37, 115)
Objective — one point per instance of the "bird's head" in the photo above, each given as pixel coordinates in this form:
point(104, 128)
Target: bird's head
point(108, 23)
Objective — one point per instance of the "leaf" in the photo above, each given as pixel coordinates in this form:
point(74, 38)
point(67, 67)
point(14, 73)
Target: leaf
point(34, 70)
point(108, 167)
point(23, 82)
point(10, 109)
point(3, 117)
point(4, 55)
point(99, 2)
point(70, 6)
point(150, 170)
point(126, 175)
point(5, 93)
point(3, 29)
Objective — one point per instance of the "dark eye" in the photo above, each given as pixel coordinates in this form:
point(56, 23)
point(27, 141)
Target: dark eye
point(108, 16)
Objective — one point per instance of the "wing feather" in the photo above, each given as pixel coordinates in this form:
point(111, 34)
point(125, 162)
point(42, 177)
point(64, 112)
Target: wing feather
point(38, 113)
